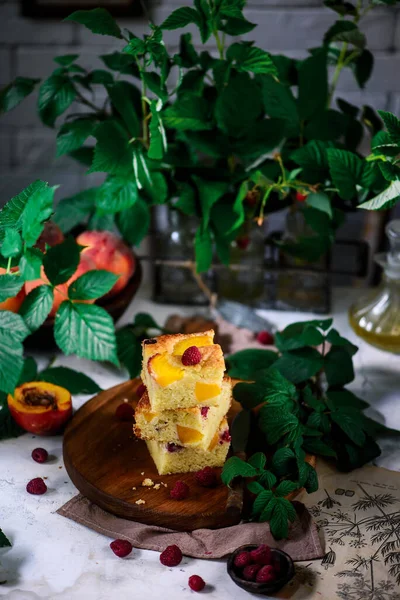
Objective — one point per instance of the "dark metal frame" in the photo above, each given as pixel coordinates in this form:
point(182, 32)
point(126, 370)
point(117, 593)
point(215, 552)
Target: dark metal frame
point(36, 10)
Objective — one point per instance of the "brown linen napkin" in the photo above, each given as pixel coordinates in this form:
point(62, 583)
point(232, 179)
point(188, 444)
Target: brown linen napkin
point(303, 542)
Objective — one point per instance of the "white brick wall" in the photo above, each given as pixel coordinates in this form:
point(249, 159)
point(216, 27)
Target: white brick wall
point(27, 48)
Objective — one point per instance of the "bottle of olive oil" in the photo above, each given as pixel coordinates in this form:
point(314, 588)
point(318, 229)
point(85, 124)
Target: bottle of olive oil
point(376, 316)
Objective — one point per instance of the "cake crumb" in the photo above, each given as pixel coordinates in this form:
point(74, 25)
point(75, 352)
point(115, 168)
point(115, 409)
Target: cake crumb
point(164, 484)
point(134, 488)
point(142, 473)
point(157, 486)
point(140, 501)
point(125, 400)
point(147, 482)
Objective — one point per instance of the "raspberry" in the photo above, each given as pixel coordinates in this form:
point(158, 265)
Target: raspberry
point(225, 437)
point(39, 455)
point(121, 548)
point(36, 486)
point(191, 356)
point(124, 412)
point(261, 555)
point(300, 197)
point(266, 574)
point(206, 477)
point(204, 411)
point(171, 557)
point(242, 560)
point(242, 242)
point(140, 390)
point(173, 447)
point(250, 572)
point(265, 338)
point(196, 583)
point(180, 491)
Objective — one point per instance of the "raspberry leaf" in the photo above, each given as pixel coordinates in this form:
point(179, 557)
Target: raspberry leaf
point(12, 327)
point(61, 261)
point(246, 364)
point(29, 371)
point(235, 467)
point(37, 306)
point(286, 487)
point(258, 460)
point(97, 20)
point(12, 244)
point(92, 285)
point(74, 381)
point(72, 135)
point(4, 541)
point(240, 431)
point(10, 285)
point(129, 351)
point(261, 502)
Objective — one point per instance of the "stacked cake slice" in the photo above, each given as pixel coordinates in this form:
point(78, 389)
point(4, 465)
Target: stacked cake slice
point(182, 414)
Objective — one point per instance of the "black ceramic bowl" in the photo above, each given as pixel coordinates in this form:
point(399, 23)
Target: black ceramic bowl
point(286, 572)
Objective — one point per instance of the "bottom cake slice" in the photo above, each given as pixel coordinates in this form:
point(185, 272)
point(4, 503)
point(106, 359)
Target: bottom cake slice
point(172, 458)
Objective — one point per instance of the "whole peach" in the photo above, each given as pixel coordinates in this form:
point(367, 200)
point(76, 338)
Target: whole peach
point(110, 253)
point(12, 304)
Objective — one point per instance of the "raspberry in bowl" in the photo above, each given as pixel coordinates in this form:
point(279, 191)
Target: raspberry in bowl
point(248, 569)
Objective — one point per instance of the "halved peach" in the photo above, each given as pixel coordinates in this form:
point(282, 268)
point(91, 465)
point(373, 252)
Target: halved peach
point(205, 391)
point(163, 371)
point(188, 435)
point(199, 341)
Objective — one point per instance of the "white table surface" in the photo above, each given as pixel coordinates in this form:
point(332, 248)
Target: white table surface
point(55, 558)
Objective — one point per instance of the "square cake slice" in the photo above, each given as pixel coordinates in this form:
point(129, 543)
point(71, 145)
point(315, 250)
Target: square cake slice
point(189, 427)
point(172, 458)
point(170, 384)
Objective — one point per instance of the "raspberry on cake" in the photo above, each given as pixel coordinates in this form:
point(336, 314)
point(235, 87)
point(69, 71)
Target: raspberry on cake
point(174, 458)
point(175, 383)
point(191, 427)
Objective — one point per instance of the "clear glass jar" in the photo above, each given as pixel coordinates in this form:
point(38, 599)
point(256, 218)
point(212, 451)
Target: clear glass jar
point(376, 316)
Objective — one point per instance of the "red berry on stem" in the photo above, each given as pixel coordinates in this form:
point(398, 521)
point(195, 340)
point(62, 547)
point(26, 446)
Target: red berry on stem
point(180, 491)
point(39, 455)
point(242, 560)
point(265, 338)
point(36, 486)
point(125, 412)
point(171, 557)
point(196, 583)
point(261, 555)
point(250, 572)
point(121, 548)
point(140, 390)
point(191, 356)
point(300, 197)
point(266, 574)
point(207, 477)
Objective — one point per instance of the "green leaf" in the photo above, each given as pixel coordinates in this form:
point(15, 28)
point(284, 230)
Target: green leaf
point(61, 261)
point(74, 210)
point(154, 83)
point(246, 364)
point(286, 487)
point(311, 483)
point(350, 426)
point(11, 364)
point(97, 20)
point(344, 398)
point(347, 108)
point(190, 113)
point(346, 170)
point(258, 460)
point(392, 124)
point(308, 336)
point(209, 193)
point(299, 365)
point(83, 155)
point(134, 222)
point(312, 157)
point(73, 134)
point(389, 171)
point(239, 105)
point(123, 63)
point(187, 56)
point(278, 522)
point(203, 249)
point(316, 446)
point(100, 76)
point(279, 103)
point(181, 17)
point(37, 210)
point(74, 381)
point(116, 194)
point(278, 390)
point(10, 285)
point(187, 200)
point(363, 66)
point(250, 58)
point(276, 421)
point(313, 75)
point(240, 431)
point(236, 26)
point(338, 366)
point(123, 95)
point(283, 461)
point(66, 59)
point(345, 31)
point(158, 138)
point(29, 371)
point(235, 467)
point(386, 199)
point(37, 306)
point(112, 153)
point(86, 330)
point(129, 351)
point(136, 47)
point(341, 7)
point(12, 243)
point(261, 502)
point(12, 327)
point(254, 487)
point(11, 214)
point(92, 285)
point(267, 479)
point(320, 201)
point(56, 94)
point(336, 339)
point(13, 93)
point(4, 541)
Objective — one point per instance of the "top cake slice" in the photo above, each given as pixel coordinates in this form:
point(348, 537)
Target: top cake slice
point(171, 384)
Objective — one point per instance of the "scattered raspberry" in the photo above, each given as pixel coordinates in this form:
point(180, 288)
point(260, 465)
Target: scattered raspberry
point(242, 242)
point(173, 447)
point(36, 486)
point(225, 436)
point(250, 572)
point(180, 491)
point(265, 338)
point(196, 583)
point(121, 548)
point(300, 197)
point(124, 412)
point(191, 356)
point(204, 411)
point(242, 560)
point(266, 574)
point(39, 455)
point(140, 390)
point(171, 557)
point(206, 477)
point(261, 555)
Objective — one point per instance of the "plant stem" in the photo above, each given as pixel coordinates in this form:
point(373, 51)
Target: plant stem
point(338, 70)
point(220, 44)
point(83, 100)
point(9, 265)
point(145, 130)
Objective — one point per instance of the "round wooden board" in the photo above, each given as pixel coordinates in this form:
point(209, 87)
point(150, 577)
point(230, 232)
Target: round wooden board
point(105, 461)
